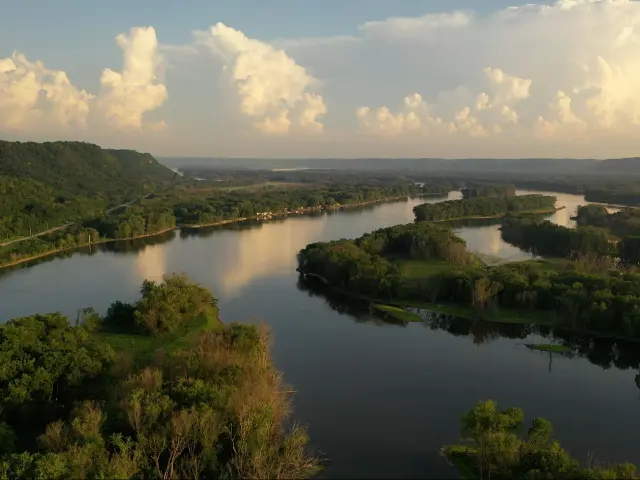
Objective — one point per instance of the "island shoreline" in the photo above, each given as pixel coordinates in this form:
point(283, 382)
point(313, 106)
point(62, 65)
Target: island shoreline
point(465, 313)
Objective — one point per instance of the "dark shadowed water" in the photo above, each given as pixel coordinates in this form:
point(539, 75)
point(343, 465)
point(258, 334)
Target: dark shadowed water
point(379, 399)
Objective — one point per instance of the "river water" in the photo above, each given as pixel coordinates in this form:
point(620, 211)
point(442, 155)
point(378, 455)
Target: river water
point(379, 399)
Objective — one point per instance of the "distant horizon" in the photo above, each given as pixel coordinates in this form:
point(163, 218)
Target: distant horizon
point(204, 157)
point(390, 158)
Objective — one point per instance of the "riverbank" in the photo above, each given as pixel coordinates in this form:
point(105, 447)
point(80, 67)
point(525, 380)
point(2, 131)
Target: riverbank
point(304, 211)
point(495, 316)
point(504, 316)
point(76, 247)
point(300, 211)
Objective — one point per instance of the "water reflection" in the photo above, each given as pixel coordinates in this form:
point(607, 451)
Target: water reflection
point(151, 263)
point(263, 250)
point(604, 352)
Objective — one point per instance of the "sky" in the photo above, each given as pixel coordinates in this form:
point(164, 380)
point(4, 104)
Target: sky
point(330, 78)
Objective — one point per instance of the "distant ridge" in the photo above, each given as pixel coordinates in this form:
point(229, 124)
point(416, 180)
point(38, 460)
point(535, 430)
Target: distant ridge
point(532, 165)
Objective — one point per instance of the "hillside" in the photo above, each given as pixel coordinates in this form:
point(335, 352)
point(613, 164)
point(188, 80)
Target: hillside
point(44, 185)
point(77, 168)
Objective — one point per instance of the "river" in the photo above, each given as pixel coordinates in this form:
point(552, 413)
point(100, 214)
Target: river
point(379, 399)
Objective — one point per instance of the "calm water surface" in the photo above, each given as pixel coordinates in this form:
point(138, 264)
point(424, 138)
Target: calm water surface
point(379, 399)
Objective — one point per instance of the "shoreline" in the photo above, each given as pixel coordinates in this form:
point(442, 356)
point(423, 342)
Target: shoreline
point(195, 227)
point(67, 249)
point(304, 211)
point(511, 317)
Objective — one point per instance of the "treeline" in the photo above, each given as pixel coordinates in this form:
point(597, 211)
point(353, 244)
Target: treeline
point(496, 448)
point(482, 207)
point(616, 197)
point(549, 239)
point(480, 190)
point(225, 177)
point(192, 399)
point(229, 205)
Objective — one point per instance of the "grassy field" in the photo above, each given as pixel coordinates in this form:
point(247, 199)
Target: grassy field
point(142, 347)
point(420, 269)
point(396, 313)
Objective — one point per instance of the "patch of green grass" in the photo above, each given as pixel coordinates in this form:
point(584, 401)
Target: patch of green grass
point(422, 268)
point(397, 313)
point(497, 316)
point(463, 458)
point(142, 347)
point(543, 347)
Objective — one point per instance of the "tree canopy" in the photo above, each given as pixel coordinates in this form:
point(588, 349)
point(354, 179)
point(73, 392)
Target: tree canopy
point(496, 448)
point(482, 206)
point(130, 396)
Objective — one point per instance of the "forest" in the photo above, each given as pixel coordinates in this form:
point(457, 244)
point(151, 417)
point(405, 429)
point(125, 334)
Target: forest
point(155, 389)
point(549, 239)
point(185, 207)
point(483, 207)
point(45, 185)
point(434, 268)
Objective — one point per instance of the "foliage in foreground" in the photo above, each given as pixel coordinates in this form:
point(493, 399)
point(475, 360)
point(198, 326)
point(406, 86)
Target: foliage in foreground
point(495, 449)
point(71, 406)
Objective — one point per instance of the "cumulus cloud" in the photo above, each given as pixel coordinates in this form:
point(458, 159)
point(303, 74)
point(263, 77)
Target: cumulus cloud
point(545, 73)
point(32, 95)
point(457, 111)
point(126, 96)
point(272, 89)
point(34, 98)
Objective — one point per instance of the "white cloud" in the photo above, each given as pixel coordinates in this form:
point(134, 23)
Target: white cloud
point(457, 111)
point(32, 96)
point(35, 99)
point(546, 74)
point(272, 89)
point(127, 96)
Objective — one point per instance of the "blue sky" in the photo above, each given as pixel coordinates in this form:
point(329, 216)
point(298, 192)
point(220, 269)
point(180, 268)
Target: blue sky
point(528, 81)
point(77, 35)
